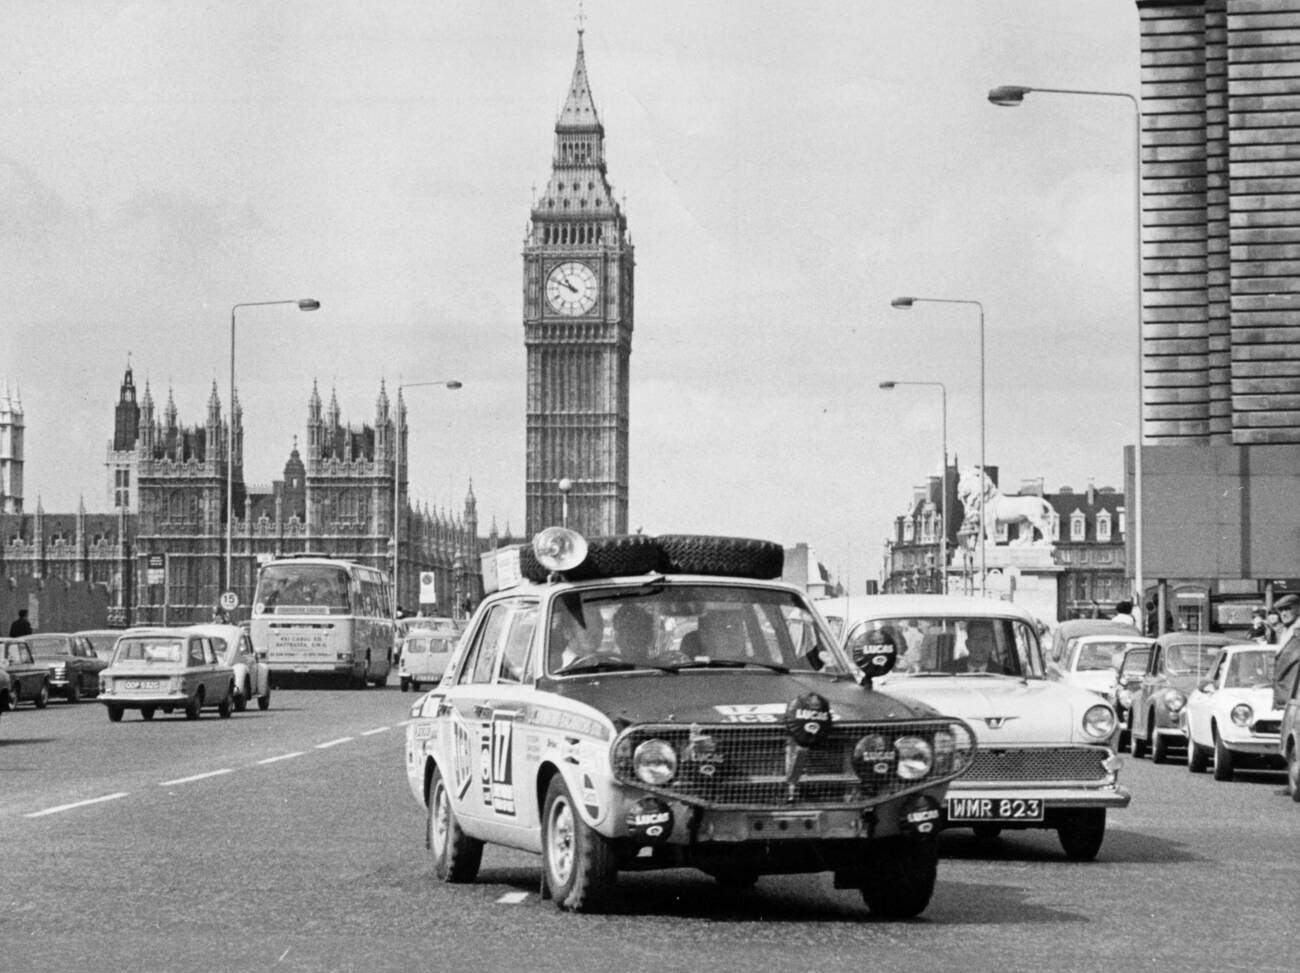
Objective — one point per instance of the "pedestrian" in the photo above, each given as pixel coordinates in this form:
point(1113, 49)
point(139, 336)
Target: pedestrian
point(1124, 614)
point(1274, 622)
point(219, 616)
point(1259, 630)
point(21, 626)
point(1286, 663)
point(1288, 610)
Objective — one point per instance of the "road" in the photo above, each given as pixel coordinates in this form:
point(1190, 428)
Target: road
point(287, 840)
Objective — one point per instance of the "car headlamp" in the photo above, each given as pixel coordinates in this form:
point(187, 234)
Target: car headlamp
point(655, 762)
point(1099, 721)
point(1241, 714)
point(915, 758)
point(559, 548)
point(1174, 700)
point(873, 756)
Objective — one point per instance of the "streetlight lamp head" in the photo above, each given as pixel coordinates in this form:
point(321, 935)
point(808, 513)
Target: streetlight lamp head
point(1008, 95)
point(887, 385)
point(903, 302)
point(308, 304)
point(565, 485)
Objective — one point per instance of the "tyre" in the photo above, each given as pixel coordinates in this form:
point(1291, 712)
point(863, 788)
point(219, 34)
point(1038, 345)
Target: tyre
point(732, 556)
point(1122, 741)
point(1293, 773)
point(578, 862)
point(1081, 832)
point(1139, 743)
point(115, 714)
point(195, 705)
point(456, 856)
point(146, 713)
point(42, 699)
point(6, 703)
point(405, 685)
point(1198, 757)
point(1223, 759)
point(606, 556)
point(74, 691)
point(226, 705)
point(900, 877)
point(1159, 747)
point(241, 697)
point(264, 701)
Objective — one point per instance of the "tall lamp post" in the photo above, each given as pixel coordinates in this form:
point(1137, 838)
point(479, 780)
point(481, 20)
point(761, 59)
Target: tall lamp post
point(1012, 96)
point(906, 303)
point(943, 497)
point(304, 304)
point(397, 471)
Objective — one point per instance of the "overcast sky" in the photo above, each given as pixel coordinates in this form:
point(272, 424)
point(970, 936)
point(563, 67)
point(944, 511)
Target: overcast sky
point(788, 169)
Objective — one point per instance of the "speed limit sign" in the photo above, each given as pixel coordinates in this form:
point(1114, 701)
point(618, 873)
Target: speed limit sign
point(229, 601)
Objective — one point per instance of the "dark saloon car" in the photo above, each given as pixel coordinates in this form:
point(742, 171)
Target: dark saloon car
point(657, 702)
point(1179, 662)
point(73, 663)
point(29, 680)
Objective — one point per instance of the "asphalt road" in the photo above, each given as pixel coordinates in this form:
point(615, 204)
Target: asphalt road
point(287, 840)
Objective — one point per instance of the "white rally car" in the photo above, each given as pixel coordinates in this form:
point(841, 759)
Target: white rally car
point(656, 702)
point(1045, 755)
point(1229, 717)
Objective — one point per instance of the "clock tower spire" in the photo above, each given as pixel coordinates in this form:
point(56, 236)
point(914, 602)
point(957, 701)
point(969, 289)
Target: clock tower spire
point(578, 262)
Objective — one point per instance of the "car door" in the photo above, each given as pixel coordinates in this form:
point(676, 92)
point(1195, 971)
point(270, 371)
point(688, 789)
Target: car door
point(83, 659)
point(1200, 701)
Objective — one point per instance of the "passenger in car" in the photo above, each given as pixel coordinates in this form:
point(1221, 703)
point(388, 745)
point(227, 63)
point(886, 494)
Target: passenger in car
point(634, 633)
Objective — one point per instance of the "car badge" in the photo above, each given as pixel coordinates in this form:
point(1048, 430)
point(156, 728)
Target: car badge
point(996, 722)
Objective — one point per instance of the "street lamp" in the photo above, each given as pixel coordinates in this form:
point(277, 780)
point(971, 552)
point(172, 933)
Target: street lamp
point(305, 304)
point(565, 485)
point(397, 471)
point(1012, 96)
point(906, 303)
point(943, 498)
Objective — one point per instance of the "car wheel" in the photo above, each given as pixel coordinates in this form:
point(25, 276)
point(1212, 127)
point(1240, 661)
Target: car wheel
point(900, 877)
point(1159, 746)
point(1122, 741)
point(195, 705)
point(405, 685)
point(42, 699)
point(1293, 774)
point(456, 856)
point(264, 701)
point(146, 712)
point(6, 703)
point(1198, 757)
point(1223, 759)
point(74, 692)
point(1138, 743)
point(1081, 832)
point(227, 704)
point(241, 697)
point(987, 832)
point(577, 861)
point(115, 714)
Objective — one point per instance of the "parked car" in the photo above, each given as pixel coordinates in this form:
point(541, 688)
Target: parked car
point(28, 679)
point(1179, 661)
point(424, 658)
point(73, 664)
point(252, 675)
point(1084, 652)
point(1045, 759)
point(1229, 718)
point(641, 703)
point(1128, 677)
point(1289, 737)
point(166, 669)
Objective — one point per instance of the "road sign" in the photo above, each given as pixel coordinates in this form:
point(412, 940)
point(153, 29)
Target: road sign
point(156, 569)
point(428, 589)
point(229, 601)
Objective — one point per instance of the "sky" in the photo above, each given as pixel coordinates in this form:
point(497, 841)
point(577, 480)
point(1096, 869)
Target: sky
point(787, 170)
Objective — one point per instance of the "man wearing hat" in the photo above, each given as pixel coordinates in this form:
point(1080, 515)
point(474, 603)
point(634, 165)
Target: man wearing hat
point(1288, 657)
point(1288, 609)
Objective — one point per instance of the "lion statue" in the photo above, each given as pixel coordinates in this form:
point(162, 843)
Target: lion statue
point(1030, 512)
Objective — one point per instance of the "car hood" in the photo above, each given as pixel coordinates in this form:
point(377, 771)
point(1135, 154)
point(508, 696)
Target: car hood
point(728, 696)
point(1260, 699)
point(1004, 709)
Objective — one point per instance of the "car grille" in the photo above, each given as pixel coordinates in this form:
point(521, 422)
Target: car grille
point(759, 766)
point(1267, 726)
point(1039, 764)
point(57, 670)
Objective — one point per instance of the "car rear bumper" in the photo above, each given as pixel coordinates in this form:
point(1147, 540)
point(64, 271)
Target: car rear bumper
point(137, 700)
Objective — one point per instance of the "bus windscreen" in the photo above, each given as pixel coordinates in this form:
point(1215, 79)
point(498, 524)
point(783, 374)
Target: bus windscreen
point(299, 588)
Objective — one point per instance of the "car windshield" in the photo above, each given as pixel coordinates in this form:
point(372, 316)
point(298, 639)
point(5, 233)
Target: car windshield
point(1189, 658)
point(1093, 656)
point(1250, 669)
point(1135, 663)
point(955, 645)
point(682, 627)
point(48, 647)
point(148, 650)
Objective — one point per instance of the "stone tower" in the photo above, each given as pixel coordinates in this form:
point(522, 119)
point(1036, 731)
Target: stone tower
point(11, 453)
point(121, 456)
point(578, 262)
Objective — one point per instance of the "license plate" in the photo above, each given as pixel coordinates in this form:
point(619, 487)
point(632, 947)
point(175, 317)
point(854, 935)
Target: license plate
point(995, 809)
point(141, 684)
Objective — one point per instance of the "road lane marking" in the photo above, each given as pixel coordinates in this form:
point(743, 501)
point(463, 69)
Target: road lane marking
point(406, 722)
point(512, 898)
point(369, 733)
point(332, 743)
point(69, 807)
point(187, 780)
point(283, 756)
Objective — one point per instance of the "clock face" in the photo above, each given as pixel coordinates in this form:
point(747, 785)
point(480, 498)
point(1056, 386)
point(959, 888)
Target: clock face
point(571, 288)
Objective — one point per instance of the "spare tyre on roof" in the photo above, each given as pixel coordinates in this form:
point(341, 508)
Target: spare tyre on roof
point(744, 557)
point(607, 557)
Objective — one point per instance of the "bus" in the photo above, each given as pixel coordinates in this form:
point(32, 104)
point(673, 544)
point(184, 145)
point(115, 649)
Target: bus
point(321, 615)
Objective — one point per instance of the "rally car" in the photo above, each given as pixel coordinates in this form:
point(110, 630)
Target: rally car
point(638, 703)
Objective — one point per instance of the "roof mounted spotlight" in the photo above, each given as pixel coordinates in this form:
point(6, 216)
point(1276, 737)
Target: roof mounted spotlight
point(560, 549)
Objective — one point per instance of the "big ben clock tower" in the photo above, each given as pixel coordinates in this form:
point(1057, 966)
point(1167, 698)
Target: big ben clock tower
point(578, 263)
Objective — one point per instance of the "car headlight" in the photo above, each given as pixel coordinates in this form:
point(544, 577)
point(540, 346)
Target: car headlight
point(1099, 721)
point(1241, 714)
point(915, 758)
point(1174, 700)
point(655, 762)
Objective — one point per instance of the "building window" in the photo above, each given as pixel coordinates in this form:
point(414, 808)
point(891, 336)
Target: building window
point(1000, 530)
point(907, 531)
point(1078, 527)
point(1103, 526)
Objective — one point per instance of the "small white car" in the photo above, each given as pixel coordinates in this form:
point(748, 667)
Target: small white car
point(1087, 653)
point(424, 658)
point(235, 649)
point(1045, 757)
point(1229, 718)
